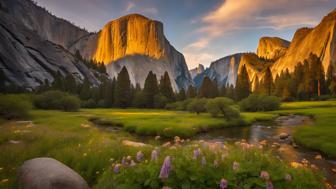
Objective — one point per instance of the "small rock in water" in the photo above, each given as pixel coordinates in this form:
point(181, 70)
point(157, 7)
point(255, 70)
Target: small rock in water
point(283, 136)
point(14, 141)
point(318, 157)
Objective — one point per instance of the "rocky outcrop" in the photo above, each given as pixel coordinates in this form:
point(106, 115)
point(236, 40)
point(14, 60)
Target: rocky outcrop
point(48, 173)
point(320, 41)
point(27, 60)
point(45, 25)
point(196, 71)
point(223, 70)
point(272, 48)
point(139, 44)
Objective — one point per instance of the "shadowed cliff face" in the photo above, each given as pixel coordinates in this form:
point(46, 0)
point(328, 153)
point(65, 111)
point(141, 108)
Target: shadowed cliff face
point(28, 57)
point(139, 44)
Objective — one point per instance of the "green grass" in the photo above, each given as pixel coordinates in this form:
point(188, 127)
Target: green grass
point(321, 135)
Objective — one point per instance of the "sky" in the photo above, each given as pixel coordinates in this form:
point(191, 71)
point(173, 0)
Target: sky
point(203, 30)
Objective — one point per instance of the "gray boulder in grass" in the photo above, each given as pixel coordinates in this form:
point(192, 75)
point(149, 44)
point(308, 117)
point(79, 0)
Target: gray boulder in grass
point(48, 173)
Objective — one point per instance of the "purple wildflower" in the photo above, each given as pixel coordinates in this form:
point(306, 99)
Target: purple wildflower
point(269, 185)
point(203, 161)
point(154, 155)
point(223, 184)
point(116, 168)
point(235, 166)
point(139, 156)
point(288, 177)
point(197, 153)
point(123, 161)
point(165, 169)
point(264, 175)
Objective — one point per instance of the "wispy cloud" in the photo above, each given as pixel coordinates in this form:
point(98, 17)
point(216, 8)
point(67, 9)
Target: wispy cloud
point(133, 7)
point(239, 15)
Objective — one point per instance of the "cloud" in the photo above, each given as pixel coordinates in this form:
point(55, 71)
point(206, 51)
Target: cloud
point(238, 15)
point(133, 7)
point(130, 6)
point(194, 58)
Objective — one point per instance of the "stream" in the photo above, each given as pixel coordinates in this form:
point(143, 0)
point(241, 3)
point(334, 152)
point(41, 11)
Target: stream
point(278, 138)
point(275, 136)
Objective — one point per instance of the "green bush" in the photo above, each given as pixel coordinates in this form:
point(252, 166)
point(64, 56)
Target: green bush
point(160, 101)
point(14, 106)
point(255, 103)
point(197, 105)
point(57, 100)
point(224, 106)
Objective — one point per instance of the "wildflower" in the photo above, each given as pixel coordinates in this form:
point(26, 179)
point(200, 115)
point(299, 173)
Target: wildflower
point(84, 154)
point(235, 166)
point(197, 153)
point(269, 185)
point(215, 163)
point(157, 137)
point(123, 161)
point(139, 156)
point(223, 184)
point(154, 155)
point(288, 177)
point(264, 175)
point(203, 161)
point(132, 164)
point(116, 168)
point(128, 158)
point(166, 187)
point(165, 169)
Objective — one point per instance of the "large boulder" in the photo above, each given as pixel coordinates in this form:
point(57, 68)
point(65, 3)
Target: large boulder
point(48, 173)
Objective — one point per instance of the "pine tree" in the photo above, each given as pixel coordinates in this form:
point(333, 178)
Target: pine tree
point(151, 89)
point(208, 89)
point(123, 89)
point(267, 82)
point(316, 73)
point(243, 88)
point(181, 95)
point(70, 84)
point(166, 87)
point(191, 92)
point(109, 92)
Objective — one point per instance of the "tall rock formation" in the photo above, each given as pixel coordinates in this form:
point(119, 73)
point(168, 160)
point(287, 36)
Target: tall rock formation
point(28, 57)
point(223, 70)
point(320, 40)
point(196, 71)
point(272, 48)
point(139, 44)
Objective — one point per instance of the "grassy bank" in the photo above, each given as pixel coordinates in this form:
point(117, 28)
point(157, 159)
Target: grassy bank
point(169, 123)
point(321, 135)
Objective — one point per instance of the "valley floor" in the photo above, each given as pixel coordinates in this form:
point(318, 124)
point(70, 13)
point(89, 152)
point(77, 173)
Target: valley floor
point(75, 140)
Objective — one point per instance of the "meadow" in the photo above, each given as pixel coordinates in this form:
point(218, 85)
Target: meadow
point(75, 140)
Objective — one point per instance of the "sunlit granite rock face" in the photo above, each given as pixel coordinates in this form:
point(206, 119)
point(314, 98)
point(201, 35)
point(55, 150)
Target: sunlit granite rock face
point(28, 59)
point(272, 48)
point(196, 71)
point(139, 44)
point(320, 40)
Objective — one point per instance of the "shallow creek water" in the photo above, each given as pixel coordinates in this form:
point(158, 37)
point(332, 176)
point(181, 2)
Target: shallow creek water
point(270, 133)
point(275, 136)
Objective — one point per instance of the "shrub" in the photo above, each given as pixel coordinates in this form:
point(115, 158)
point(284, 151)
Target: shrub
point(197, 105)
point(224, 106)
point(14, 106)
point(180, 105)
point(91, 103)
point(57, 100)
point(160, 101)
point(255, 103)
